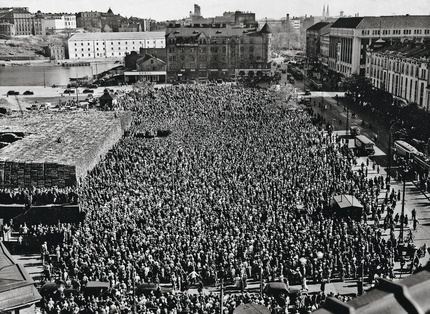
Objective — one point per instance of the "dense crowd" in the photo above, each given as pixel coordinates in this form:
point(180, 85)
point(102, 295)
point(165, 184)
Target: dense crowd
point(38, 196)
point(241, 188)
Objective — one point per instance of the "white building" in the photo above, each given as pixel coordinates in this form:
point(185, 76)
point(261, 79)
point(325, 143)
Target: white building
point(112, 45)
point(402, 70)
point(350, 37)
point(57, 23)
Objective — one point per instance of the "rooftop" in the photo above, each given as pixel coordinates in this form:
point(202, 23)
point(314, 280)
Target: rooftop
point(66, 138)
point(318, 26)
point(409, 295)
point(118, 36)
point(16, 287)
point(406, 49)
point(210, 31)
point(384, 22)
point(346, 201)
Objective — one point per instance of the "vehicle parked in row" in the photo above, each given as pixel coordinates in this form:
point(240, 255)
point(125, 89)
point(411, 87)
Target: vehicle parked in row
point(12, 93)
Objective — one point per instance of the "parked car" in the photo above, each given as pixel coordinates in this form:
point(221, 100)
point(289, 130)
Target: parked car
point(307, 92)
point(12, 93)
point(28, 92)
point(33, 107)
point(88, 91)
point(69, 91)
point(92, 86)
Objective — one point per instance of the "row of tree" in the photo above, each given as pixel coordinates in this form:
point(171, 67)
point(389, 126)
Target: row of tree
point(411, 117)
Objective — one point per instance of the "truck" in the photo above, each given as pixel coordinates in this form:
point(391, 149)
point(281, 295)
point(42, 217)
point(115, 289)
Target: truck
point(364, 145)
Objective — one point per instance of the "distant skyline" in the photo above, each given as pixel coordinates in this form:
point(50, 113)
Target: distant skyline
point(175, 9)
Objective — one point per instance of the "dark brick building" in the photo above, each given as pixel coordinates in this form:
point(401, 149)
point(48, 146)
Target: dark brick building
point(219, 52)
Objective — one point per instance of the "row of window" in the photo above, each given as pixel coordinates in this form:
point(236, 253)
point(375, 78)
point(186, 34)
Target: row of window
point(395, 32)
point(97, 49)
point(119, 43)
point(98, 54)
point(405, 68)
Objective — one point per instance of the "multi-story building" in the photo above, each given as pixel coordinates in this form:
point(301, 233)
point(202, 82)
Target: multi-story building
point(89, 20)
point(55, 23)
point(7, 29)
point(209, 53)
point(324, 47)
point(112, 45)
point(313, 39)
point(350, 37)
point(402, 69)
point(25, 23)
point(56, 51)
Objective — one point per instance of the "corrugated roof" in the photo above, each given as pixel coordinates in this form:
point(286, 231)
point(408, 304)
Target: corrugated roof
point(410, 295)
point(318, 26)
point(118, 36)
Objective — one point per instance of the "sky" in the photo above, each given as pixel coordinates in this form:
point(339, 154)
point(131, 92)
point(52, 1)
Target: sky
point(175, 9)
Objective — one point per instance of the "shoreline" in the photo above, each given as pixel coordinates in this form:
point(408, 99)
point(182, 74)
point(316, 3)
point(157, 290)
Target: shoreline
point(58, 63)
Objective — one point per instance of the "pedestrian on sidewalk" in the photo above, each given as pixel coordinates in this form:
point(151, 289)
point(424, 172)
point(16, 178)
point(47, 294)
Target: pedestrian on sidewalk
point(415, 222)
point(414, 213)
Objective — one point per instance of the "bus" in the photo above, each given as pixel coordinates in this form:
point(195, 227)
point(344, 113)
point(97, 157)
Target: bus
point(364, 145)
point(405, 149)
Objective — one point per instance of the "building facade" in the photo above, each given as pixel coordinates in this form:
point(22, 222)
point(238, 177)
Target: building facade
point(350, 37)
point(324, 47)
point(89, 20)
point(112, 45)
point(210, 53)
point(54, 23)
point(56, 51)
point(25, 23)
point(7, 29)
point(148, 68)
point(313, 39)
point(402, 69)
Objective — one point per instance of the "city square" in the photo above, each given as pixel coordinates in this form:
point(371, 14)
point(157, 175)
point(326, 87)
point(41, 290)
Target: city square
point(226, 164)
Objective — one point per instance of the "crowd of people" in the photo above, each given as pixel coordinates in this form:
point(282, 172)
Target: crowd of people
point(241, 188)
point(38, 196)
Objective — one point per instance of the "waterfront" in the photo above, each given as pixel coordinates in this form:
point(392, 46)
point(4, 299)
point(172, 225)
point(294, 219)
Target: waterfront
point(39, 75)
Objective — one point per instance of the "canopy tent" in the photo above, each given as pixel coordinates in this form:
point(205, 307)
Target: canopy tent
point(251, 308)
point(347, 205)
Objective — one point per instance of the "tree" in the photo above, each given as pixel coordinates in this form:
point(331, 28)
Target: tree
point(359, 87)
